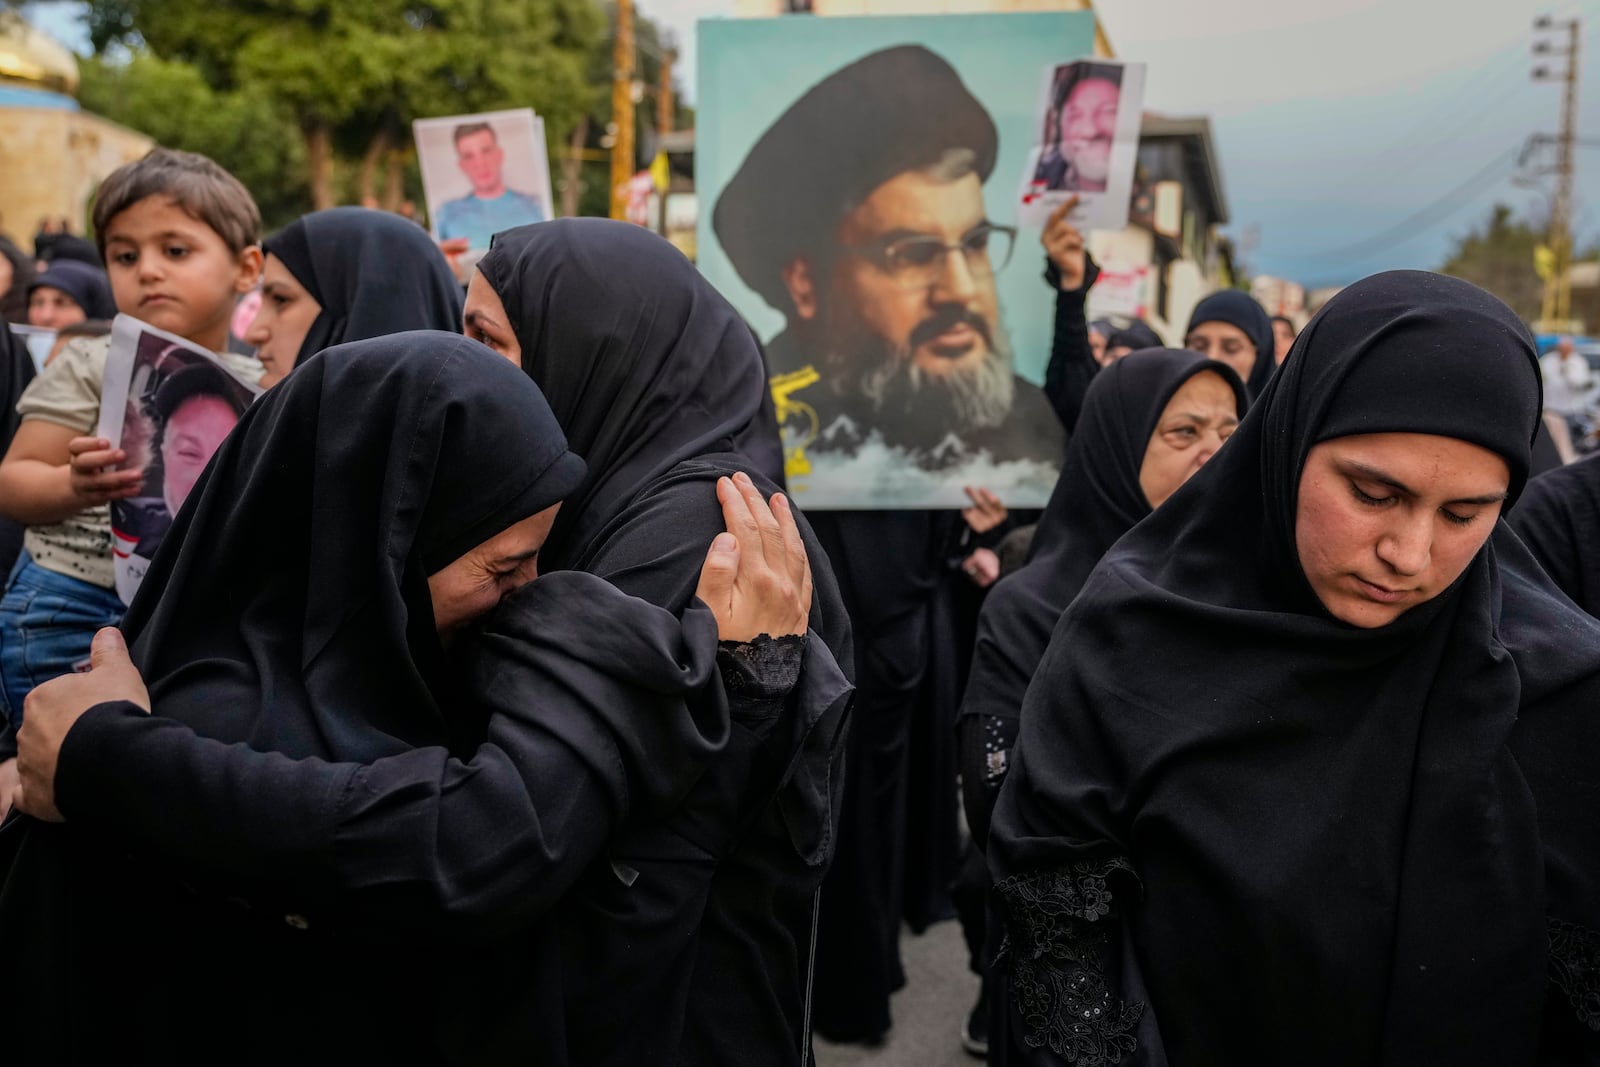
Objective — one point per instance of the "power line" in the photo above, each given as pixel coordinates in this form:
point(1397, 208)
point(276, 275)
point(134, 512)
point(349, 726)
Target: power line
point(1501, 72)
point(1429, 216)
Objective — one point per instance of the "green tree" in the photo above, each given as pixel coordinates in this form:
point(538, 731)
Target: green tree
point(588, 184)
point(243, 129)
point(358, 71)
point(1499, 256)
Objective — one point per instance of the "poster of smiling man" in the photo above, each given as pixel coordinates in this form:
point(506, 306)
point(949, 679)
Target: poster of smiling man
point(858, 178)
point(168, 404)
point(1088, 143)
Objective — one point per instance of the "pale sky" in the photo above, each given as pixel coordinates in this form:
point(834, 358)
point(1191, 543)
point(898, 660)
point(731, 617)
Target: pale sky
point(1337, 121)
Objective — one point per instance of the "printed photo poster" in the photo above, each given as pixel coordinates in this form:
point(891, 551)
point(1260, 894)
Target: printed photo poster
point(40, 342)
point(482, 174)
point(857, 182)
point(169, 404)
point(1088, 143)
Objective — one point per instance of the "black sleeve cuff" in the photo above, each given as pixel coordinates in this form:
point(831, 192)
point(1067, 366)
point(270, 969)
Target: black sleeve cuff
point(1091, 274)
point(93, 742)
point(761, 670)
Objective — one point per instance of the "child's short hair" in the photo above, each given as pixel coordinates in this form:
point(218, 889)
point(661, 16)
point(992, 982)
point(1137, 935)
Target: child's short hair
point(195, 183)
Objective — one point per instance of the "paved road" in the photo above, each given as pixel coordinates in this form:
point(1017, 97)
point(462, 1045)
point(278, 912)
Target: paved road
point(928, 1012)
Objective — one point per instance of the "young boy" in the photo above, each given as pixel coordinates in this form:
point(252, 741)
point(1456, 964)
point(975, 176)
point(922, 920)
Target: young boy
point(181, 240)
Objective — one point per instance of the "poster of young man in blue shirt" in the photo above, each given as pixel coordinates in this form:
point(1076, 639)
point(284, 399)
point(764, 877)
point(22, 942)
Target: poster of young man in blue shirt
point(491, 205)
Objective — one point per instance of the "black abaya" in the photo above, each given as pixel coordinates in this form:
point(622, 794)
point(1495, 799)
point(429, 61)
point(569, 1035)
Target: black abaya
point(321, 845)
point(697, 927)
point(1237, 830)
point(1558, 518)
point(16, 371)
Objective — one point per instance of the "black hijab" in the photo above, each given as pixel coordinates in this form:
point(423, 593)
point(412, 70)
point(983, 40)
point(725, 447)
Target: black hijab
point(317, 525)
point(68, 247)
point(1558, 518)
point(1331, 844)
point(1240, 309)
point(373, 273)
point(1097, 499)
point(88, 286)
point(645, 364)
point(14, 301)
point(1136, 335)
point(16, 371)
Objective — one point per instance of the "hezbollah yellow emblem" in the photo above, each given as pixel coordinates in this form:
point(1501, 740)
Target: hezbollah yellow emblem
point(797, 421)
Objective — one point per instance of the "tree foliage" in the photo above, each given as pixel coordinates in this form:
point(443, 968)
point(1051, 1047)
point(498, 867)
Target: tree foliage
point(351, 71)
point(1499, 256)
point(244, 129)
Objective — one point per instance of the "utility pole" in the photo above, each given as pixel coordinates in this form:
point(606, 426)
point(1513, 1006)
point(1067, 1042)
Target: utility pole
point(622, 150)
point(666, 105)
point(1557, 309)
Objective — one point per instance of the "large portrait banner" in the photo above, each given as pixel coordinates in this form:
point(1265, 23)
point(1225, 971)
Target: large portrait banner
point(859, 186)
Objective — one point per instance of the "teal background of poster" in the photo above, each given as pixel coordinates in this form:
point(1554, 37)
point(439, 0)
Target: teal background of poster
point(752, 70)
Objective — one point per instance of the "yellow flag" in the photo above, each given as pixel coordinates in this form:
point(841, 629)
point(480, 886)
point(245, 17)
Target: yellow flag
point(1544, 262)
point(659, 173)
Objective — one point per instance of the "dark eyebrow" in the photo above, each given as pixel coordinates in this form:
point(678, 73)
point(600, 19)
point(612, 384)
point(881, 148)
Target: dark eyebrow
point(478, 318)
point(518, 557)
point(1374, 474)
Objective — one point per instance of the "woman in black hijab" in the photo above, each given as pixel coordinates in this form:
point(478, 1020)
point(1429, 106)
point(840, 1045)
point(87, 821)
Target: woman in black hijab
point(1304, 776)
point(1135, 337)
point(1231, 327)
point(87, 291)
point(659, 385)
point(17, 272)
point(1111, 469)
point(331, 838)
point(16, 371)
point(1150, 420)
point(1558, 518)
point(346, 274)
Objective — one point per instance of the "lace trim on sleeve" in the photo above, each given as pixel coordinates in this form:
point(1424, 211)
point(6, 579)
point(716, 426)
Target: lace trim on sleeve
point(1575, 968)
point(766, 667)
point(1057, 944)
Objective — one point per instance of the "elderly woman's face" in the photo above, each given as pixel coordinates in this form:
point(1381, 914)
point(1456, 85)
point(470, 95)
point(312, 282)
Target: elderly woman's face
point(474, 585)
point(1194, 424)
point(486, 320)
point(1388, 521)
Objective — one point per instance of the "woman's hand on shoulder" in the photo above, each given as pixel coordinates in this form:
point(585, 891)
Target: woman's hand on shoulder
point(756, 578)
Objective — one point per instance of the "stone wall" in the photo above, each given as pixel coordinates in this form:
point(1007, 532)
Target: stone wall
point(55, 158)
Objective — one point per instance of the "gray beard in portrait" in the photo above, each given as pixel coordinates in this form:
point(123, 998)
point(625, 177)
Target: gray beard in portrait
point(878, 384)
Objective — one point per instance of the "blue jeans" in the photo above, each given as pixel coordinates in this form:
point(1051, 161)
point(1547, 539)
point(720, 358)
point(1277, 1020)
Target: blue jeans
point(47, 622)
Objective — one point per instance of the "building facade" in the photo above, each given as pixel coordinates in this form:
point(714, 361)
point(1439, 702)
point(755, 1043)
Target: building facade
point(56, 154)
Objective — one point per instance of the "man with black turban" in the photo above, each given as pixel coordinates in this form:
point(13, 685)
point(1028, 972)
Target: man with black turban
point(859, 215)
